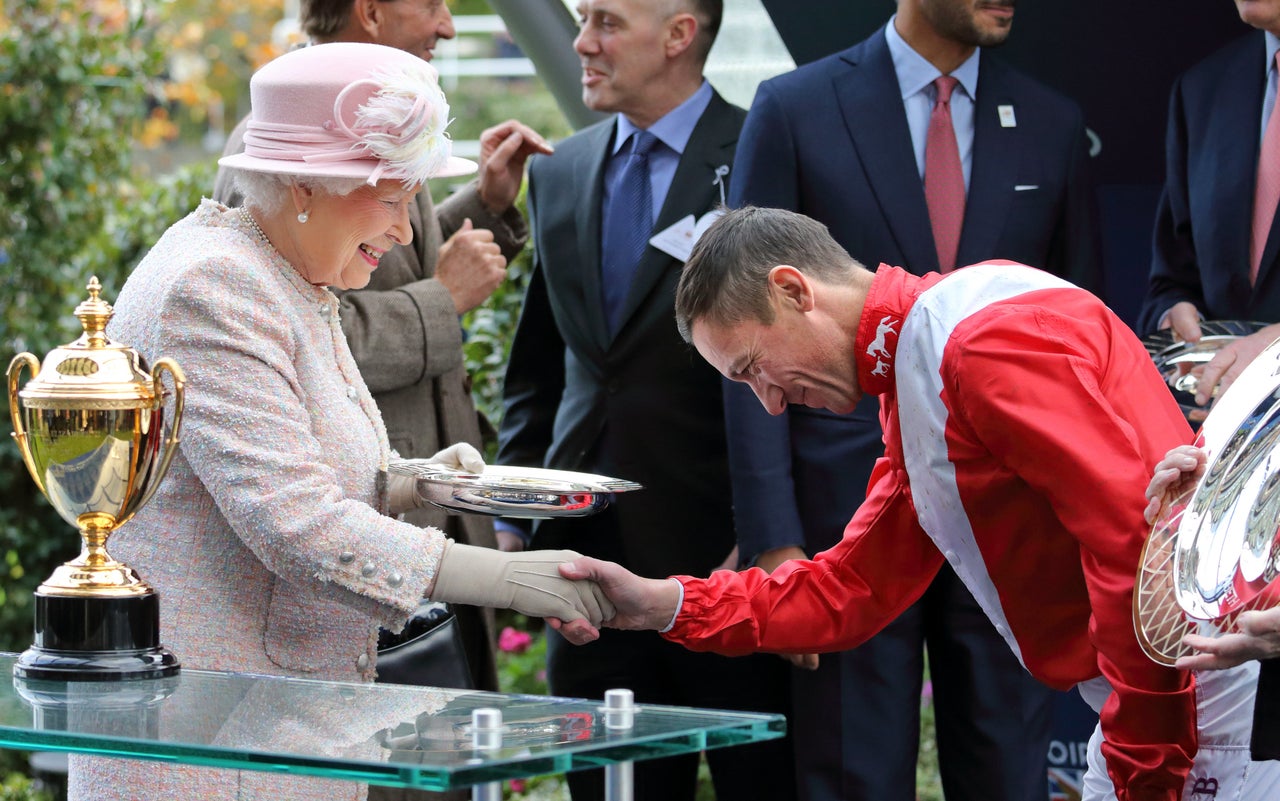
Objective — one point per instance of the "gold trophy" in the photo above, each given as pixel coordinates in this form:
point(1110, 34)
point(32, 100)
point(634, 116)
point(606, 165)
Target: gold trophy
point(90, 426)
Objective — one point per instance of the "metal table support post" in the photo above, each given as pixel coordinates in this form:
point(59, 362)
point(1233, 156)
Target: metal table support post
point(619, 717)
point(486, 735)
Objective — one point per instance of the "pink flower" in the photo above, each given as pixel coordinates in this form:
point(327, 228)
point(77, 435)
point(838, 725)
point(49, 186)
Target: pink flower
point(513, 641)
point(518, 785)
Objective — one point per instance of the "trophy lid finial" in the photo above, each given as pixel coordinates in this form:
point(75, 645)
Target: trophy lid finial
point(94, 314)
point(94, 371)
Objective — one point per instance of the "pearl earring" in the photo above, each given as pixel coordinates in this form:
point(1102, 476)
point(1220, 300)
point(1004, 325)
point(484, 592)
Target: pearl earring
point(303, 217)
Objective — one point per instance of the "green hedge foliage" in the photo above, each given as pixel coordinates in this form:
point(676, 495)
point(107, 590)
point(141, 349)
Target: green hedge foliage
point(73, 86)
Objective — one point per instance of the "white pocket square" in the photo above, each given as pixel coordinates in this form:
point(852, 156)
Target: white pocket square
point(1025, 187)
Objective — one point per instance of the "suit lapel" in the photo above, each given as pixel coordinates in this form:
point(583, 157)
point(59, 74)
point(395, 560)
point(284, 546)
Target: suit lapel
point(692, 192)
point(871, 103)
point(589, 174)
point(995, 161)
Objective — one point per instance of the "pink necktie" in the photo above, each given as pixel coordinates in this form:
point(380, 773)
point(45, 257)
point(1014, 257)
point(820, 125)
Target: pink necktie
point(1267, 193)
point(944, 177)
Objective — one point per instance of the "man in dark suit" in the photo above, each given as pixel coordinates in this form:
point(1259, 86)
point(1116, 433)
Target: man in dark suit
point(843, 140)
point(1205, 264)
point(1217, 257)
point(599, 379)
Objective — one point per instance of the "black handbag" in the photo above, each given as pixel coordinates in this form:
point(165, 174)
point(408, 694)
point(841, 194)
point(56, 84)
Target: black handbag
point(428, 652)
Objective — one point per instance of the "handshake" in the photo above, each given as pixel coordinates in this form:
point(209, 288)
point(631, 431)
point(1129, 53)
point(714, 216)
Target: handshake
point(528, 582)
point(575, 594)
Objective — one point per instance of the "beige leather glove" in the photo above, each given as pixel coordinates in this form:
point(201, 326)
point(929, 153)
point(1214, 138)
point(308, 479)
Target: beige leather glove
point(402, 491)
point(528, 582)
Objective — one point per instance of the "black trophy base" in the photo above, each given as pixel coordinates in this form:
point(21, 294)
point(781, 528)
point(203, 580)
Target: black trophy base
point(96, 639)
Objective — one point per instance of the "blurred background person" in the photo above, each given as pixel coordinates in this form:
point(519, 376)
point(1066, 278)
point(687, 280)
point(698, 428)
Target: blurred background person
point(917, 148)
point(1216, 256)
point(403, 327)
point(600, 381)
point(1215, 251)
point(267, 539)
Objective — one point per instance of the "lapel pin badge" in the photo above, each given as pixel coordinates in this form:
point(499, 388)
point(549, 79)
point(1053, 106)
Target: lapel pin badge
point(721, 172)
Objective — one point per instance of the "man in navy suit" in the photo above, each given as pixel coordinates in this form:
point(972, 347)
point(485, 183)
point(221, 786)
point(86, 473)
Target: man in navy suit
point(842, 140)
point(1219, 111)
point(1201, 260)
point(600, 381)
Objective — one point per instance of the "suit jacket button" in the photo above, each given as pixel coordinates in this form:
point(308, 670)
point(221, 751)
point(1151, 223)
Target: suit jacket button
point(368, 569)
point(346, 557)
point(362, 661)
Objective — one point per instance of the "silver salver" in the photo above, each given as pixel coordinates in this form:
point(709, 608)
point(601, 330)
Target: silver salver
point(525, 492)
point(1214, 551)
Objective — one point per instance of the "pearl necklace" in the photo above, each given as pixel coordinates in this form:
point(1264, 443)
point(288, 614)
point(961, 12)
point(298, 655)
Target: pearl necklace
point(252, 223)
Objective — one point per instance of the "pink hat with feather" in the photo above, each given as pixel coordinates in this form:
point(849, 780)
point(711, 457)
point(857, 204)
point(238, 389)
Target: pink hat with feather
point(348, 110)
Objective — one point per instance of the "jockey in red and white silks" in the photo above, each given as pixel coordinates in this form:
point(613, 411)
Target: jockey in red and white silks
point(1021, 419)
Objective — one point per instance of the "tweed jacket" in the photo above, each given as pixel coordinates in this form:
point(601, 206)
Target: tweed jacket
point(264, 540)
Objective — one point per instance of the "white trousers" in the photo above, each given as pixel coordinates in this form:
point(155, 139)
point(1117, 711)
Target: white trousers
point(1224, 719)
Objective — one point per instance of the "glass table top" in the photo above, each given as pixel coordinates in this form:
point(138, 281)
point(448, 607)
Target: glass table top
point(378, 733)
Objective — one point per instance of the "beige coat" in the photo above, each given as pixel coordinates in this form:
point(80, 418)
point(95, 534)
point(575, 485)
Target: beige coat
point(263, 541)
point(405, 336)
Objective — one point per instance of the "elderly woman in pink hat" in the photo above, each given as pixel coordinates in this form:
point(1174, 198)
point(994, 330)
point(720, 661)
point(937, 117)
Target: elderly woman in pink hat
point(272, 540)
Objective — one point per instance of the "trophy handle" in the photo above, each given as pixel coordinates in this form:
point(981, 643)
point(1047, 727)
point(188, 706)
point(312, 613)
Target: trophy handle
point(171, 441)
point(15, 410)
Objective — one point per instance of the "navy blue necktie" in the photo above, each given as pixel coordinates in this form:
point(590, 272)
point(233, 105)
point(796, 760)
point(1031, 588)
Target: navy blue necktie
point(627, 226)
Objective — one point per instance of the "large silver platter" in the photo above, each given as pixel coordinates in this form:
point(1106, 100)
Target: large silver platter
point(1234, 507)
point(1213, 552)
point(1174, 358)
point(526, 492)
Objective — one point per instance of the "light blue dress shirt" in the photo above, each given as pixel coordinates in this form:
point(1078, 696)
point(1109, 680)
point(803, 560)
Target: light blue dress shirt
point(673, 131)
point(915, 78)
point(1269, 96)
